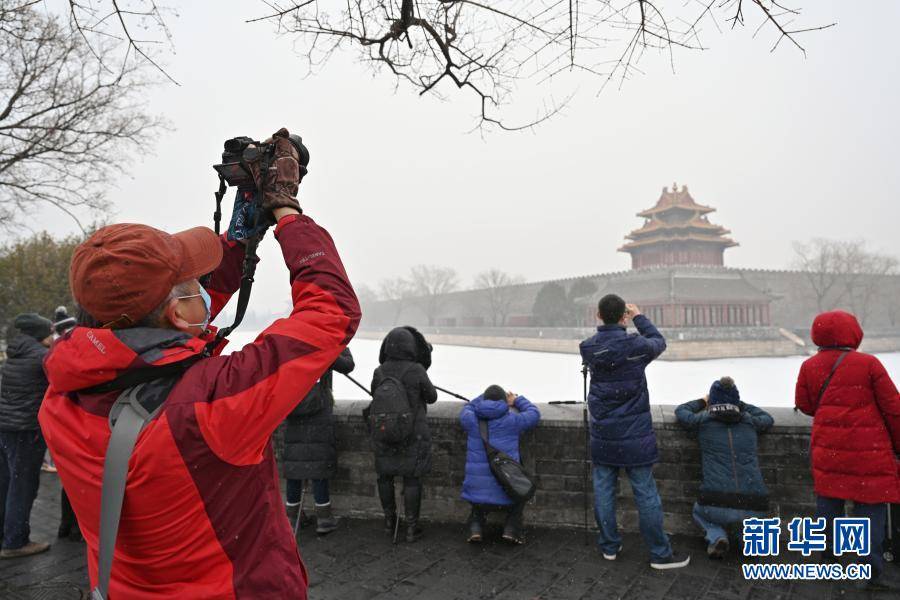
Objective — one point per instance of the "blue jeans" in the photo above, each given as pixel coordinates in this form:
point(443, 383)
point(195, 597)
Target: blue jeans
point(650, 516)
point(21, 454)
point(293, 488)
point(877, 513)
point(713, 520)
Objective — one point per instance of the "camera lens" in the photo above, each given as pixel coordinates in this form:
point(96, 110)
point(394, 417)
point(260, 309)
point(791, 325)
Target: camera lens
point(235, 145)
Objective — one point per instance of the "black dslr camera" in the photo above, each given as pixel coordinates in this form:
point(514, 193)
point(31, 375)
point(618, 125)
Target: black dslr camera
point(240, 152)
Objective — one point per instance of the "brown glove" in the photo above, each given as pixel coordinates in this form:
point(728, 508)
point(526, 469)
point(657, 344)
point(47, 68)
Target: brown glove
point(282, 179)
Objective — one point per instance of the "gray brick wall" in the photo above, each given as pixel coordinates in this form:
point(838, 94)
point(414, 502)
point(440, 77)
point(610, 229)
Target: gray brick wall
point(554, 454)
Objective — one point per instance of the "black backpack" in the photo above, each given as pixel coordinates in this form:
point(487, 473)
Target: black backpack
point(390, 417)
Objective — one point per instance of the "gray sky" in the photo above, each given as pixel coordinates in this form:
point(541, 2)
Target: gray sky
point(784, 147)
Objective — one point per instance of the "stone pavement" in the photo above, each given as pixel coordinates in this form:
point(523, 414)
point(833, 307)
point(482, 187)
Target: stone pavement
point(359, 562)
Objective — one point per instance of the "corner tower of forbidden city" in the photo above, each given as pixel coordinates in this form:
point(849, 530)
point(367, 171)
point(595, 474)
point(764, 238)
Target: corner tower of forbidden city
point(677, 232)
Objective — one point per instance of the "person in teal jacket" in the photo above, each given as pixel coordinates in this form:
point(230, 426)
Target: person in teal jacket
point(732, 488)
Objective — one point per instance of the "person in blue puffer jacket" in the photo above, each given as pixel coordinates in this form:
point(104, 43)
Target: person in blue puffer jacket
point(732, 488)
point(621, 427)
point(480, 487)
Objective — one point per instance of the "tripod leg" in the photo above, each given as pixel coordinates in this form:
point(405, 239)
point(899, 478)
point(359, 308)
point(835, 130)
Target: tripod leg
point(587, 454)
point(300, 511)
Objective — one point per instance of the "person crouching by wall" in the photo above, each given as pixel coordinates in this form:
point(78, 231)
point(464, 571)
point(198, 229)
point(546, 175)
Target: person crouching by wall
point(732, 487)
point(404, 357)
point(310, 450)
point(480, 487)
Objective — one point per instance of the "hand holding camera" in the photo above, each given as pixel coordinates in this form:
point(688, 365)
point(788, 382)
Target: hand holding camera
point(281, 180)
point(270, 170)
point(632, 310)
point(267, 176)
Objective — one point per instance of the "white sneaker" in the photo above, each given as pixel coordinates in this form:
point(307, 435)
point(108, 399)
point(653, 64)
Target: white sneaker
point(614, 555)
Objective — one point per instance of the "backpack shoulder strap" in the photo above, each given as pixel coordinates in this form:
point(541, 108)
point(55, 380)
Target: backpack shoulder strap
point(485, 436)
point(127, 418)
point(830, 375)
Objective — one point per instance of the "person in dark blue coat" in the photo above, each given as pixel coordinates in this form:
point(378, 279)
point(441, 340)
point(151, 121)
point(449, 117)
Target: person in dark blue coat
point(480, 487)
point(732, 488)
point(621, 427)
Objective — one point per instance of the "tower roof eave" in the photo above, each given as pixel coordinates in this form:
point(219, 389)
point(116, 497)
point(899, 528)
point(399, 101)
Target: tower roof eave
point(723, 242)
point(693, 207)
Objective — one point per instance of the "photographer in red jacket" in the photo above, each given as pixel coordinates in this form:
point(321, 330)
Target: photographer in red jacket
point(202, 515)
point(856, 429)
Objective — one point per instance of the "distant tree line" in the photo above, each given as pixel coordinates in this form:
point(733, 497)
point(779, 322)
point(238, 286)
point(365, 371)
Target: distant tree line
point(846, 274)
point(34, 276)
point(840, 274)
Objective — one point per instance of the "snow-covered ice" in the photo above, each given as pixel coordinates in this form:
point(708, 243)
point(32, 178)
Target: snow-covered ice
point(544, 376)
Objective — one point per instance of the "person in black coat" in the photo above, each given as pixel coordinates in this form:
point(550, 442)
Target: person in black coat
point(310, 449)
point(406, 356)
point(22, 446)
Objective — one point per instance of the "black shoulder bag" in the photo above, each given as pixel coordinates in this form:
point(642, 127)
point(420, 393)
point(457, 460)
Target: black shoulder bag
point(509, 473)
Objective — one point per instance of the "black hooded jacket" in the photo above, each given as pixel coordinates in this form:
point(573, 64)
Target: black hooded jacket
point(310, 450)
point(405, 355)
point(23, 384)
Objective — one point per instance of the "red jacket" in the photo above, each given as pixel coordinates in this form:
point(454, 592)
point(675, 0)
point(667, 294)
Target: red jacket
point(202, 516)
point(856, 426)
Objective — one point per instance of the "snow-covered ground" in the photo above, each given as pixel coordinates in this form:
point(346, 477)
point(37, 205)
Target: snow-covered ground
point(543, 376)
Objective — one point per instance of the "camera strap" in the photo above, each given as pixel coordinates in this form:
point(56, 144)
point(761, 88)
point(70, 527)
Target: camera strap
point(248, 271)
point(217, 216)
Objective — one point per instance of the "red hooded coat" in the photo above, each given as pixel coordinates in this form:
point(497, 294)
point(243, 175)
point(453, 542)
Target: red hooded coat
point(856, 426)
point(202, 516)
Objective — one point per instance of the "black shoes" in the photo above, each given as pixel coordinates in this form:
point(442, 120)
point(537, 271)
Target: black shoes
point(413, 532)
point(390, 521)
point(675, 561)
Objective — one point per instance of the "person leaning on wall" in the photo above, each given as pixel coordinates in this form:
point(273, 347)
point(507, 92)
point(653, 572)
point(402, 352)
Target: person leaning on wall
point(507, 415)
point(732, 487)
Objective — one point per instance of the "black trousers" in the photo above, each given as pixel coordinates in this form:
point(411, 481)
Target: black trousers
point(412, 496)
point(514, 514)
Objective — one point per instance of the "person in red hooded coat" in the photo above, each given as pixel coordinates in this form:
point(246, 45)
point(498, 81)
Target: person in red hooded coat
point(856, 427)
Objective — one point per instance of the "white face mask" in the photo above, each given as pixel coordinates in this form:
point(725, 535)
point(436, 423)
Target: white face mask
point(207, 301)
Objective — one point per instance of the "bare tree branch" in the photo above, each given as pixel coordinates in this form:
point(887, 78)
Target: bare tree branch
point(66, 121)
point(493, 50)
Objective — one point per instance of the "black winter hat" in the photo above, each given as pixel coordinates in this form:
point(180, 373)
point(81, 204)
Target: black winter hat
point(494, 392)
point(724, 391)
point(34, 325)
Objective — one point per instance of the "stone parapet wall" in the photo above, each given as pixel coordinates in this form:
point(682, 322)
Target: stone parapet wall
point(676, 349)
point(554, 452)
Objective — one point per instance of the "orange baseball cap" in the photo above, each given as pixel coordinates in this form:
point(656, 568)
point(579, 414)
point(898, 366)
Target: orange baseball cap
point(124, 271)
